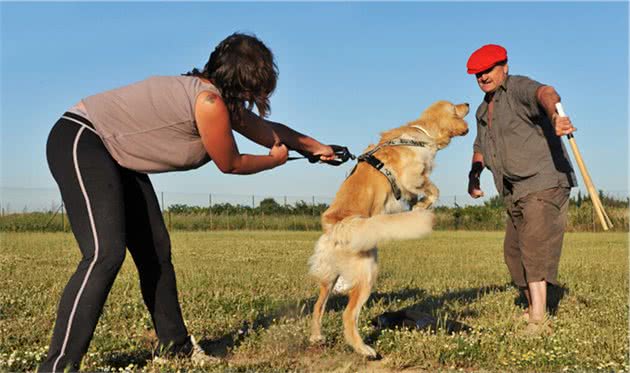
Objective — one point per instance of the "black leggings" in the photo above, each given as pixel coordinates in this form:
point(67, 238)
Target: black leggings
point(109, 208)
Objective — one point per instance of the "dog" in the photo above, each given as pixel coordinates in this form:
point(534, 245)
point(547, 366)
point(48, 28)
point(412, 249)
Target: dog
point(369, 208)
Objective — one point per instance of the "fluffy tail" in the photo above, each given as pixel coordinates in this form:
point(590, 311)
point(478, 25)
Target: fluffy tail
point(362, 234)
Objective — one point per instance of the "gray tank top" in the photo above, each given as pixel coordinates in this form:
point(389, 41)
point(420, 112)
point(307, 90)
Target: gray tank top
point(149, 126)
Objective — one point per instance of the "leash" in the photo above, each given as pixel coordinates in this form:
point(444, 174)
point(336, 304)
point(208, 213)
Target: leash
point(343, 155)
point(341, 152)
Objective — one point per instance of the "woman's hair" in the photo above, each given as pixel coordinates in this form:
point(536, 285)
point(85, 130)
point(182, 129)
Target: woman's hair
point(243, 69)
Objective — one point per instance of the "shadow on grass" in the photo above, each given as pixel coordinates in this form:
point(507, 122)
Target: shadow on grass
point(420, 315)
point(123, 359)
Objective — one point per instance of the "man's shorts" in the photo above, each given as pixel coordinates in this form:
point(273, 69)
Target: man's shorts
point(533, 235)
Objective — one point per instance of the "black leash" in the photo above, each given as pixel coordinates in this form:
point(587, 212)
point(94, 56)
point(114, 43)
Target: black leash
point(341, 152)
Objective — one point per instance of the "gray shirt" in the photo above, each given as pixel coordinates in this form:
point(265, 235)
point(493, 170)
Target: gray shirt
point(150, 126)
point(521, 147)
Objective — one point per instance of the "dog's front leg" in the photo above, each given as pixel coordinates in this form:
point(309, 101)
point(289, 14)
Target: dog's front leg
point(431, 194)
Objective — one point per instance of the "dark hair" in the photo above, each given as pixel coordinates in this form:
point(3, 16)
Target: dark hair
point(243, 69)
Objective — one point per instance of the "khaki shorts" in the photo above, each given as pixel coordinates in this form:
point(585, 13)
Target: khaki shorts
point(533, 235)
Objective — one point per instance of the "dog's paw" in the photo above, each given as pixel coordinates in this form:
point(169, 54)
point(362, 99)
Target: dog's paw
point(317, 339)
point(422, 205)
point(366, 351)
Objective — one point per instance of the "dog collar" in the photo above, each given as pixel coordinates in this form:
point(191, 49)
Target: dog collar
point(423, 130)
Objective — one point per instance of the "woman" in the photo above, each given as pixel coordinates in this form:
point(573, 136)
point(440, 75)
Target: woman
point(100, 152)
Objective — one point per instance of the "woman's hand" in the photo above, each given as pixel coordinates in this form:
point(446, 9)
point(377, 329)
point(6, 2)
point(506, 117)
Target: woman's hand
point(279, 153)
point(325, 153)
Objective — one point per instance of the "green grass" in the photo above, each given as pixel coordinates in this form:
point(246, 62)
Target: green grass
point(477, 218)
point(230, 282)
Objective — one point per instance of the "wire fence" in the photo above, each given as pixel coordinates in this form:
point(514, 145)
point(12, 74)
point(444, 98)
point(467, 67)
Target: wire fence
point(42, 209)
point(24, 200)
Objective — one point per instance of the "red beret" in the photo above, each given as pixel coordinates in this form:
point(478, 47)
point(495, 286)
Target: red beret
point(485, 57)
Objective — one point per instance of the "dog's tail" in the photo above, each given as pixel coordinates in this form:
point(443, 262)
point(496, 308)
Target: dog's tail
point(363, 234)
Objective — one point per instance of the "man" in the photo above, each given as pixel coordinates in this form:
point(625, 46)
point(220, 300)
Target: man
point(519, 140)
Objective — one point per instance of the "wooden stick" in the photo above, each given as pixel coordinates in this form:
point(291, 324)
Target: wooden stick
point(590, 187)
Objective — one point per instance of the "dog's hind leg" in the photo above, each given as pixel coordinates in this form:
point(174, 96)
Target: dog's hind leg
point(357, 297)
point(318, 311)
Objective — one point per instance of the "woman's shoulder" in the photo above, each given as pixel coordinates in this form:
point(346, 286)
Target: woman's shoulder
point(198, 84)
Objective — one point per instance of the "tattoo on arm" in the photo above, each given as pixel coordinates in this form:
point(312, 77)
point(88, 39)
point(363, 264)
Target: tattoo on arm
point(210, 98)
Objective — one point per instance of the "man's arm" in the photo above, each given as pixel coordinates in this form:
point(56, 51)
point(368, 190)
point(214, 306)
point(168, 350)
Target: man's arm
point(548, 98)
point(268, 133)
point(474, 181)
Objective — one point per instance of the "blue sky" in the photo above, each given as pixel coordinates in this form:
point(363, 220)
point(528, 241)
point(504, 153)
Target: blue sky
point(347, 71)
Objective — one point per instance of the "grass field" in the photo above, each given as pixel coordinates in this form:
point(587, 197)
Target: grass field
point(247, 297)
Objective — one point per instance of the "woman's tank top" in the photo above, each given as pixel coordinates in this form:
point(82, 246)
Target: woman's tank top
point(149, 126)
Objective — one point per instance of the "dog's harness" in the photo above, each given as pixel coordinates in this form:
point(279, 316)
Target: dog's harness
point(369, 158)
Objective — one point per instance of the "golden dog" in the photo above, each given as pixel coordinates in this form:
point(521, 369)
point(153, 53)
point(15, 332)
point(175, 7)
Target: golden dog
point(365, 211)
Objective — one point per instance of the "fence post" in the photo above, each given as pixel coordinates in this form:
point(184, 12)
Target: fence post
point(593, 216)
point(162, 202)
point(63, 220)
point(210, 208)
point(313, 206)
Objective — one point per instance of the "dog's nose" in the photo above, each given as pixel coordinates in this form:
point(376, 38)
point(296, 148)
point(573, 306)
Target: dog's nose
point(465, 132)
point(467, 105)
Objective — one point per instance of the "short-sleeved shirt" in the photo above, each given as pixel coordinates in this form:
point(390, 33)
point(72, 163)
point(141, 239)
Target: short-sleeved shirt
point(520, 146)
point(149, 126)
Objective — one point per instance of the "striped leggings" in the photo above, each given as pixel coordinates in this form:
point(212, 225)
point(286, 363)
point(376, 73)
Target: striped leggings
point(110, 208)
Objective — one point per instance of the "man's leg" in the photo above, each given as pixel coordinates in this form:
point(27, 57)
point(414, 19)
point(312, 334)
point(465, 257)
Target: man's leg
point(537, 301)
point(542, 233)
point(512, 252)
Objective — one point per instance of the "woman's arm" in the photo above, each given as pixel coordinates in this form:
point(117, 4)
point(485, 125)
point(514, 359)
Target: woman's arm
point(213, 122)
point(268, 133)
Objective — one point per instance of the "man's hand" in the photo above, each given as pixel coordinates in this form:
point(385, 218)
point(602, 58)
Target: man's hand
point(279, 153)
point(474, 185)
point(562, 125)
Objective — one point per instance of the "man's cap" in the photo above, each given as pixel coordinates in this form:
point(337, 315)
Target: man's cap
point(486, 57)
